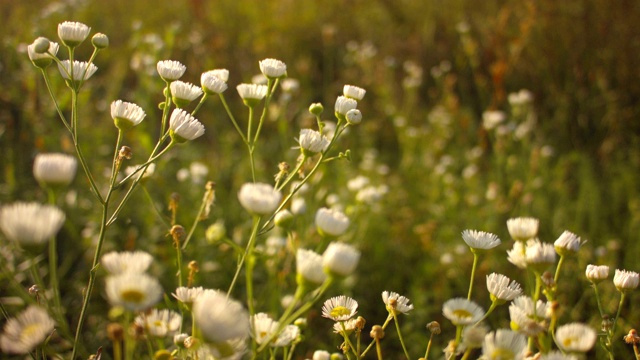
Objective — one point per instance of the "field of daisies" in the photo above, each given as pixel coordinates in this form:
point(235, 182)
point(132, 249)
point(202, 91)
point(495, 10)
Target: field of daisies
point(335, 180)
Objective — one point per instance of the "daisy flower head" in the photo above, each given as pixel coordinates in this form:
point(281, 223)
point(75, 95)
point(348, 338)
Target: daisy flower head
point(504, 344)
point(525, 323)
point(290, 85)
point(309, 267)
point(30, 223)
point(288, 335)
point(353, 92)
point(625, 280)
point(339, 308)
point(170, 70)
point(502, 289)
point(331, 222)
point(343, 105)
point(354, 116)
point(347, 326)
point(312, 142)
point(557, 355)
point(597, 273)
point(568, 243)
point(321, 355)
point(183, 93)
point(188, 295)
point(159, 323)
point(79, 71)
point(492, 118)
point(263, 327)
point(54, 169)
point(273, 68)
point(73, 33)
point(126, 262)
point(480, 240)
point(523, 228)
point(184, 127)
point(42, 59)
point(461, 311)
point(24, 332)
point(539, 255)
point(340, 259)
point(396, 303)
point(133, 291)
point(516, 255)
point(259, 198)
point(214, 82)
point(473, 336)
point(126, 115)
point(251, 94)
point(575, 338)
point(220, 318)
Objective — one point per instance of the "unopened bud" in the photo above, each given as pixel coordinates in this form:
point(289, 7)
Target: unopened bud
point(115, 332)
point(377, 332)
point(316, 109)
point(434, 327)
point(360, 322)
point(354, 116)
point(162, 355)
point(632, 337)
point(41, 45)
point(100, 41)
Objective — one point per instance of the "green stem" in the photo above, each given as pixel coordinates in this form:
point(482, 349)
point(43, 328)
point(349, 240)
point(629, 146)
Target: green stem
point(384, 326)
point(202, 99)
point(615, 321)
point(473, 272)
point(426, 353)
point(55, 101)
point(233, 119)
point(395, 320)
point(270, 89)
point(557, 276)
point(203, 206)
point(494, 304)
point(248, 251)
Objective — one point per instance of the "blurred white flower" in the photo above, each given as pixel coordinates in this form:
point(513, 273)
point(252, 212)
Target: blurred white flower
point(492, 118)
point(290, 85)
point(516, 255)
point(480, 240)
point(27, 330)
point(133, 291)
point(184, 127)
point(321, 355)
point(396, 303)
point(187, 295)
point(170, 70)
point(339, 308)
point(259, 198)
point(523, 228)
point(539, 255)
point(72, 33)
point(501, 288)
point(159, 323)
point(344, 104)
point(126, 115)
point(273, 68)
point(298, 205)
point(309, 266)
point(473, 336)
point(353, 92)
point(220, 318)
point(504, 344)
point(358, 183)
point(575, 338)
point(30, 223)
point(54, 169)
point(340, 259)
point(331, 222)
point(597, 273)
point(461, 311)
point(567, 243)
point(126, 262)
point(625, 280)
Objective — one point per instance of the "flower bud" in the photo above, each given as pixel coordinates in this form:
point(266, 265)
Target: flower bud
point(316, 109)
point(100, 41)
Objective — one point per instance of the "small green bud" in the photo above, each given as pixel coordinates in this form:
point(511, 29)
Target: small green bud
point(316, 109)
point(284, 219)
point(354, 116)
point(100, 41)
point(41, 45)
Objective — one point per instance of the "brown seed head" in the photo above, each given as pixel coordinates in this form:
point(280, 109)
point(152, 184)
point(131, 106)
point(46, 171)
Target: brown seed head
point(377, 332)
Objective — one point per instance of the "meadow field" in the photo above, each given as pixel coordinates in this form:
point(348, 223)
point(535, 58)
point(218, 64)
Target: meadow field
point(390, 156)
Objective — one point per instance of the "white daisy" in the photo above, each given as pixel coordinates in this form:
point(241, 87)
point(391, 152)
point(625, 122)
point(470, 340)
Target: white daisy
point(344, 104)
point(170, 70)
point(184, 126)
point(309, 266)
point(492, 118)
point(567, 243)
point(54, 169)
point(159, 323)
point(251, 94)
point(259, 198)
point(126, 115)
point(625, 280)
point(30, 223)
point(575, 337)
point(462, 311)
point(539, 255)
point(480, 240)
point(396, 303)
point(502, 288)
point(273, 68)
point(82, 70)
point(339, 308)
point(354, 116)
point(220, 318)
point(597, 273)
point(321, 355)
point(331, 222)
point(126, 262)
point(312, 142)
point(473, 336)
point(133, 291)
point(188, 295)
point(340, 259)
point(353, 92)
point(263, 327)
point(516, 255)
point(24, 332)
point(557, 355)
point(523, 228)
point(72, 33)
point(504, 344)
point(288, 335)
point(348, 325)
point(182, 93)
point(213, 83)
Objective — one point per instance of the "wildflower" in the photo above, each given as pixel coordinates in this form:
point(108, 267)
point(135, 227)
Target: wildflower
point(100, 41)
point(251, 94)
point(516, 255)
point(632, 337)
point(331, 222)
point(159, 323)
point(502, 288)
point(343, 105)
point(126, 115)
point(72, 33)
point(54, 169)
point(126, 262)
point(321, 355)
point(473, 336)
point(214, 82)
point(30, 223)
point(354, 116)
point(539, 255)
point(492, 118)
point(504, 344)
point(340, 259)
point(523, 228)
point(339, 308)
point(42, 59)
point(462, 311)
point(288, 335)
point(316, 109)
point(259, 198)
point(222, 74)
point(82, 70)
point(232, 349)
point(626, 280)
point(568, 243)
point(526, 318)
point(263, 327)
point(184, 127)
point(309, 266)
point(24, 332)
point(557, 355)
point(273, 69)
point(353, 92)
point(597, 273)
point(396, 303)
point(347, 326)
point(480, 240)
point(312, 142)
point(133, 291)
point(290, 85)
point(220, 318)
point(170, 70)
point(188, 295)
point(182, 93)
point(298, 206)
point(575, 337)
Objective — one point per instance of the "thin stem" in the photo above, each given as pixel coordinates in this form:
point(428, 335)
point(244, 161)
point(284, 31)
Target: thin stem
point(233, 119)
point(473, 272)
point(426, 353)
point(395, 320)
point(595, 289)
point(615, 321)
point(557, 276)
point(378, 349)
point(384, 326)
point(55, 101)
point(271, 85)
point(248, 250)
point(494, 304)
point(198, 218)
point(202, 100)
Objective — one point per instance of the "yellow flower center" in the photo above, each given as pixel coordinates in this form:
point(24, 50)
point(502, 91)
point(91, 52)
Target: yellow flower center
point(133, 296)
point(462, 313)
point(569, 341)
point(29, 331)
point(502, 354)
point(340, 311)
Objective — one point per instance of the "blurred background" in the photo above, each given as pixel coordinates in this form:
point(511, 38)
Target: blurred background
point(475, 112)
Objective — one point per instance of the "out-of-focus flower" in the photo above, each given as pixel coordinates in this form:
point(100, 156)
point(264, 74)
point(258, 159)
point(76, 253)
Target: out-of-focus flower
point(259, 198)
point(321, 355)
point(353, 92)
point(473, 336)
point(523, 228)
point(492, 118)
point(331, 222)
point(480, 240)
point(575, 338)
point(309, 266)
point(73, 33)
point(251, 94)
point(504, 344)
point(184, 127)
point(343, 105)
point(220, 318)
point(462, 311)
point(133, 291)
point(516, 255)
point(126, 262)
point(568, 243)
point(126, 115)
point(273, 68)
point(597, 273)
point(30, 223)
point(54, 169)
point(159, 323)
point(340, 259)
point(212, 82)
point(539, 255)
point(339, 308)
point(396, 303)
point(170, 70)
point(24, 332)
